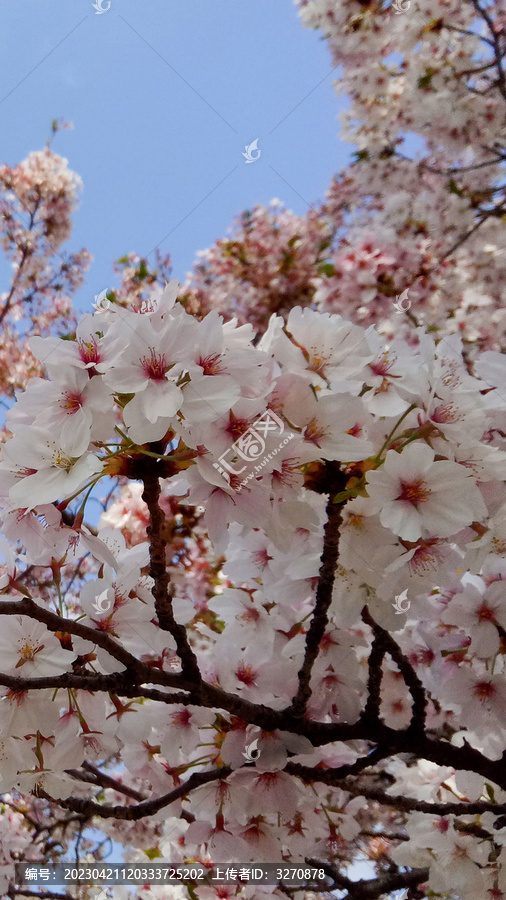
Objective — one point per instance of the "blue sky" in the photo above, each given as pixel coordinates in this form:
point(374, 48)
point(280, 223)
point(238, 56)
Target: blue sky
point(164, 95)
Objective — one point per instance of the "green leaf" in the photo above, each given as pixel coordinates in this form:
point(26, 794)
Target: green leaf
point(327, 269)
point(123, 399)
point(143, 270)
point(425, 80)
point(490, 791)
point(342, 496)
point(454, 188)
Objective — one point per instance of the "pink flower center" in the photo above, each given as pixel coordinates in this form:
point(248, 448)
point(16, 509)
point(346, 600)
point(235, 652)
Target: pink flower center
point(88, 351)
point(330, 683)
point(424, 657)
point(155, 365)
point(445, 414)
point(262, 558)
point(414, 492)
point(317, 364)
point(181, 718)
point(72, 402)
point(212, 365)
point(485, 614)
point(314, 432)
point(269, 779)
point(236, 427)
point(250, 615)
point(246, 674)
point(426, 557)
point(289, 474)
point(485, 690)
point(382, 366)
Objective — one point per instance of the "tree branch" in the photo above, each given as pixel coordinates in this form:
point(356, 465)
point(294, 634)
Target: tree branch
point(495, 41)
point(336, 480)
point(162, 590)
point(147, 807)
point(387, 644)
point(54, 622)
point(372, 888)
point(435, 808)
point(94, 776)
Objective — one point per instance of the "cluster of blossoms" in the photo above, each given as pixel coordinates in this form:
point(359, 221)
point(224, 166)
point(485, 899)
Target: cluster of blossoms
point(425, 196)
point(37, 199)
point(408, 444)
point(267, 264)
point(421, 207)
point(276, 494)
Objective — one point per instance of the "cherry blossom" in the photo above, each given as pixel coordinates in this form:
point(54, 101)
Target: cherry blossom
point(308, 430)
point(417, 495)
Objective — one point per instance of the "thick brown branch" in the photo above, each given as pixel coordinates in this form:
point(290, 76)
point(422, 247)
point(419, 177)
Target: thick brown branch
point(54, 622)
point(435, 808)
point(383, 641)
point(94, 776)
point(119, 683)
point(375, 677)
point(334, 775)
point(372, 888)
point(389, 740)
point(162, 590)
point(336, 481)
point(147, 807)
